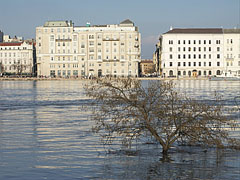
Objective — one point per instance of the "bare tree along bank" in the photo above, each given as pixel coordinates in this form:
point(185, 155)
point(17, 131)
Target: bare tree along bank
point(124, 108)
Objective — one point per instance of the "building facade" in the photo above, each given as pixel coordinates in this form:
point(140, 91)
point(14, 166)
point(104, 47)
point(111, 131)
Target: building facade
point(147, 67)
point(17, 58)
point(65, 50)
point(232, 51)
point(192, 52)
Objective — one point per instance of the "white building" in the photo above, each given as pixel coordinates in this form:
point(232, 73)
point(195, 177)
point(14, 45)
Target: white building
point(192, 52)
point(17, 58)
point(232, 51)
point(101, 50)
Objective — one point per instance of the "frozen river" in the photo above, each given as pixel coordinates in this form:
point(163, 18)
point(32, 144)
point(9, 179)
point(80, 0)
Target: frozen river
point(45, 134)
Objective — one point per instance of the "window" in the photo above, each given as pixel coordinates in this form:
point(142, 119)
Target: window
point(210, 41)
point(170, 49)
point(170, 41)
point(184, 49)
point(199, 42)
point(218, 63)
point(179, 56)
point(184, 56)
point(217, 41)
point(184, 63)
point(91, 37)
point(179, 49)
point(194, 56)
point(184, 42)
point(179, 42)
point(52, 38)
point(204, 42)
point(199, 64)
point(210, 64)
point(199, 49)
point(170, 56)
point(179, 63)
point(189, 56)
point(170, 64)
point(194, 63)
point(218, 56)
point(199, 56)
point(218, 48)
point(189, 41)
point(189, 63)
point(210, 56)
point(194, 42)
point(238, 63)
point(189, 49)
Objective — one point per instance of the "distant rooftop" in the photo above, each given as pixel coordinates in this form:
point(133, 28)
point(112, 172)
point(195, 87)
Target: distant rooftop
point(196, 31)
point(58, 24)
point(126, 22)
point(11, 44)
point(231, 31)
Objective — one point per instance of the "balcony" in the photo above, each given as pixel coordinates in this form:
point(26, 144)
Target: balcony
point(111, 60)
point(110, 39)
point(63, 40)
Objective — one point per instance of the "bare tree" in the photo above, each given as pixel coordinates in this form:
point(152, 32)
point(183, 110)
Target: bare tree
point(125, 108)
point(19, 67)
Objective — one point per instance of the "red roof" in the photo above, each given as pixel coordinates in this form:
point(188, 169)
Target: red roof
point(11, 44)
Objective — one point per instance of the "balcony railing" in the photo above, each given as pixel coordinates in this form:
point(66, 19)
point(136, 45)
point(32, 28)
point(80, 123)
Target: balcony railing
point(63, 40)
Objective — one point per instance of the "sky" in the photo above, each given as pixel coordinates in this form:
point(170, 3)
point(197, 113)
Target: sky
point(153, 17)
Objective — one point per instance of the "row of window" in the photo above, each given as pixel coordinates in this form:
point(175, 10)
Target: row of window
point(13, 48)
point(14, 54)
point(13, 62)
point(194, 42)
point(75, 72)
point(99, 36)
point(189, 49)
point(193, 63)
point(194, 56)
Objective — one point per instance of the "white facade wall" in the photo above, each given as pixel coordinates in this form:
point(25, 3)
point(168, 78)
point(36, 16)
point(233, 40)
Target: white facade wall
point(232, 53)
point(16, 55)
point(113, 50)
point(192, 54)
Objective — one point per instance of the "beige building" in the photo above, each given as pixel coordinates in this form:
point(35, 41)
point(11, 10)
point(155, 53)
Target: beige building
point(17, 58)
point(65, 50)
point(147, 67)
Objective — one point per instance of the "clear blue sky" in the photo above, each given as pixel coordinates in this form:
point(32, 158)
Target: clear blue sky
point(153, 17)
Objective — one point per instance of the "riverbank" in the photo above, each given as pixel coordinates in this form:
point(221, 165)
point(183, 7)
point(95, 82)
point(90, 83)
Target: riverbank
point(66, 79)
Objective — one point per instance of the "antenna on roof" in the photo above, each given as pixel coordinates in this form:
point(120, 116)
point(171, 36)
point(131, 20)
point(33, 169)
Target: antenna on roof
point(171, 28)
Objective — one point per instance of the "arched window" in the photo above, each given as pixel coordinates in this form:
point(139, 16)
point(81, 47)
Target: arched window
point(210, 73)
point(218, 72)
point(199, 73)
point(170, 73)
point(184, 73)
point(189, 73)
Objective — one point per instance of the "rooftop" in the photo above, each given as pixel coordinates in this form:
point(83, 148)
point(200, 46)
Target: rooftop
point(11, 44)
point(196, 31)
point(58, 24)
point(231, 31)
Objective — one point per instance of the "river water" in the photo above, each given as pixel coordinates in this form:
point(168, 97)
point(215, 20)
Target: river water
point(46, 134)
